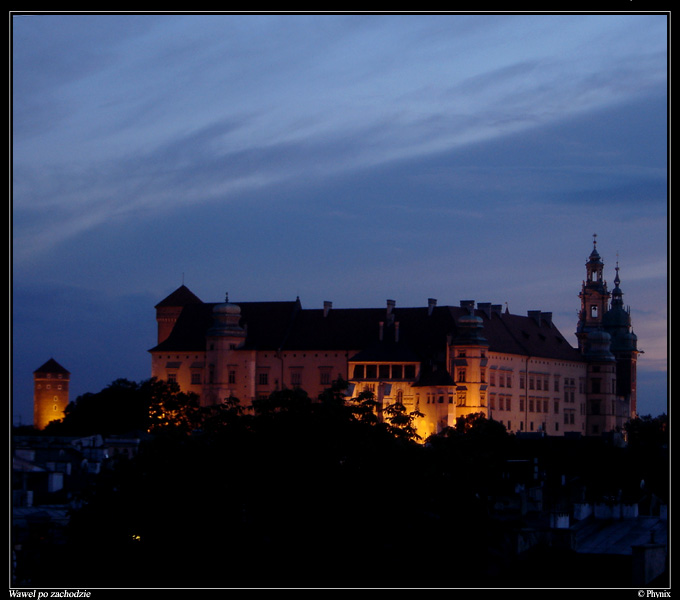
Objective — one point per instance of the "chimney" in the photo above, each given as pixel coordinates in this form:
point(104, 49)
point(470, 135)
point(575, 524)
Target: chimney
point(469, 305)
point(546, 317)
point(327, 307)
point(497, 309)
point(485, 307)
point(390, 311)
point(396, 331)
point(535, 315)
point(431, 303)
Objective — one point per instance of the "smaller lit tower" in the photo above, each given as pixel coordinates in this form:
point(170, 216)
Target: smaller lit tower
point(50, 393)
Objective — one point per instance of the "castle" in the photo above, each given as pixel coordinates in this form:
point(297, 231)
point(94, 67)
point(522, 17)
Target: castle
point(444, 361)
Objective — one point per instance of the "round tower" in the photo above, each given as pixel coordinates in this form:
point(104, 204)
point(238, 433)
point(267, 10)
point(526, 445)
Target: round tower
point(469, 366)
point(224, 337)
point(50, 393)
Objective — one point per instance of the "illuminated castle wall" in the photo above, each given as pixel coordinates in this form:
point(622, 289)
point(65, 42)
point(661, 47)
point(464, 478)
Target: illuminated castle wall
point(446, 361)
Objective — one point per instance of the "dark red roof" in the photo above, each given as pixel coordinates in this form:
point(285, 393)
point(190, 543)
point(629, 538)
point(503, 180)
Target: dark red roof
point(52, 366)
point(422, 333)
point(180, 297)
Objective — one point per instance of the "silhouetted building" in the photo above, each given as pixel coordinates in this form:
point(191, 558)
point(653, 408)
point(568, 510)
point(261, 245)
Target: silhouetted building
point(445, 361)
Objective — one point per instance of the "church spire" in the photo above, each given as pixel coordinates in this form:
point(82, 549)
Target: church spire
point(594, 296)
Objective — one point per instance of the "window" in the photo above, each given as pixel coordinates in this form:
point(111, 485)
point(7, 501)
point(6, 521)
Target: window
point(195, 378)
point(371, 371)
point(409, 371)
point(232, 377)
point(358, 371)
point(397, 372)
point(296, 377)
point(593, 311)
point(325, 377)
point(263, 378)
point(461, 375)
point(383, 371)
point(172, 377)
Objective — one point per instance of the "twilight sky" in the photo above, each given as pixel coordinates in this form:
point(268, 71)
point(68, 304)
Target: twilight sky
point(350, 158)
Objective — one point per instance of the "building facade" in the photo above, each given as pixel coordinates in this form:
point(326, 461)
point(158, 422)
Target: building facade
point(443, 361)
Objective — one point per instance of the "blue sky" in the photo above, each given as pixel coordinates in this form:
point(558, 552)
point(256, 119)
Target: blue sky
point(350, 158)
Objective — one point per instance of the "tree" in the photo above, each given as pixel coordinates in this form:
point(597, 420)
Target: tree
point(479, 424)
point(169, 408)
point(125, 406)
point(364, 408)
point(120, 407)
point(400, 422)
point(285, 400)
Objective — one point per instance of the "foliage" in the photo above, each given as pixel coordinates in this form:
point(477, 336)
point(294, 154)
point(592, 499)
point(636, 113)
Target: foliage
point(287, 494)
point(401, 421)
point(125, 406)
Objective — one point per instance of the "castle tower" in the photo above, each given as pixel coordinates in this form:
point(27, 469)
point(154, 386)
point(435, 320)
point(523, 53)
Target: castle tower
point(602, 410)
point(594, 298)
point(617, 323)
point(224, 336)
point(50, 393)
point(469, 364)
point(169, 309)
